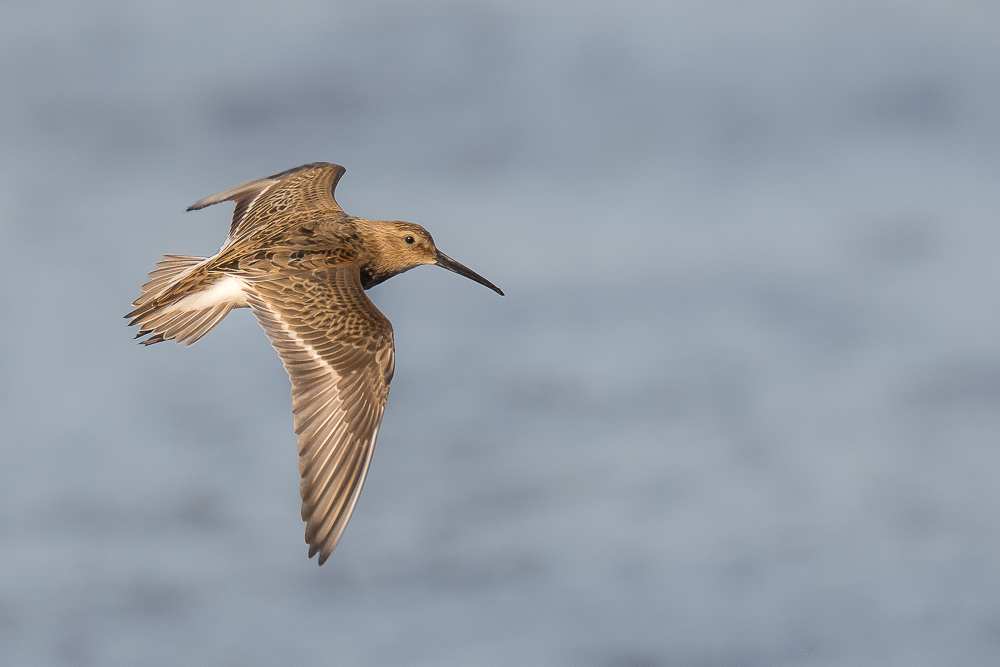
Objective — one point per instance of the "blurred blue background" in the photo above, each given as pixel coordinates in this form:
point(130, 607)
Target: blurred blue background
point(740, 406)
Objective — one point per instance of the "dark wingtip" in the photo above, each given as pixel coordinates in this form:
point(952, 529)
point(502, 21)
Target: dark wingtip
point(316, 549)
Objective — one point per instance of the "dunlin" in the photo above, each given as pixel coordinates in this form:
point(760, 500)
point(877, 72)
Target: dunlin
point(302, 266)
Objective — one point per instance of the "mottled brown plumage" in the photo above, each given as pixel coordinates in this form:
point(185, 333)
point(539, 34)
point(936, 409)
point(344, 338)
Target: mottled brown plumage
point(302, 265)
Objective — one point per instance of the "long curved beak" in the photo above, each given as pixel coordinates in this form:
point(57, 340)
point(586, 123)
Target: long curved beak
point(446, 262)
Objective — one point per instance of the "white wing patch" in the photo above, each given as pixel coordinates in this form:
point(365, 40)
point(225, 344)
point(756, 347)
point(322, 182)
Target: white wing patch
point(228, 290)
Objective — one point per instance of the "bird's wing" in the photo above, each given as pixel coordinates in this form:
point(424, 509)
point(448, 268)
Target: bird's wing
point(275, 197)
point(337, 349)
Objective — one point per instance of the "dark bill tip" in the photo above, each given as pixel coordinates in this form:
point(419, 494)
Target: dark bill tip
point(446, 262)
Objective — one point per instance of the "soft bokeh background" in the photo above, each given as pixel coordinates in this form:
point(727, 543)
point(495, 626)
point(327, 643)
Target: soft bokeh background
point(740, 407)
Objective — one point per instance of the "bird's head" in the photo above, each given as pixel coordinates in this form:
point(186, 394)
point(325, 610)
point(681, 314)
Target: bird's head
point(401, 246)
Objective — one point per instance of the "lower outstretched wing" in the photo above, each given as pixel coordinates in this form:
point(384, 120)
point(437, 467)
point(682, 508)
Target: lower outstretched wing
point(338, 351)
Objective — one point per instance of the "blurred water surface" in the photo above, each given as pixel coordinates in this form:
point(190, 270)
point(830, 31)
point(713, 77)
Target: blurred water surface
point(740, 406)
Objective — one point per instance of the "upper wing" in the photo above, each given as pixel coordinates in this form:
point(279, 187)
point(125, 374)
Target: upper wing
point(307, 187)
point(337, 349)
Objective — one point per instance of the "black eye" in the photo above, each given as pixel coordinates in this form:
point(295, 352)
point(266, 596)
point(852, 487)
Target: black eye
point(409, 240)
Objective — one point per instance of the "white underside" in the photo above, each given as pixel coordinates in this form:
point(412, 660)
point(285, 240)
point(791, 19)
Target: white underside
point(224, 290)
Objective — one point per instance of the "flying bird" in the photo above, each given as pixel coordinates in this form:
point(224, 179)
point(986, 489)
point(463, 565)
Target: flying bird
point(302, 266)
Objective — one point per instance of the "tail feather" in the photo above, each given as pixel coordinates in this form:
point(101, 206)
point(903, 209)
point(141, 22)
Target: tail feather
point(184, 310)
point(206, 323)
point(169, 270)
